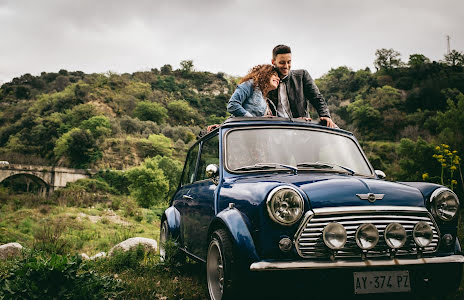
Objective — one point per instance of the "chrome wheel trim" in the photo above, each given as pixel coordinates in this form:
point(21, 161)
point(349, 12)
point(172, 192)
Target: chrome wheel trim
point(215, 271)
point(163, 239)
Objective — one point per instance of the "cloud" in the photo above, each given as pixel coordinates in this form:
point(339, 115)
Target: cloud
point(228, 36)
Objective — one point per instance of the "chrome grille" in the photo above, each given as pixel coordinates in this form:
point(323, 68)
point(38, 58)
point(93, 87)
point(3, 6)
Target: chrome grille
point(309, 243)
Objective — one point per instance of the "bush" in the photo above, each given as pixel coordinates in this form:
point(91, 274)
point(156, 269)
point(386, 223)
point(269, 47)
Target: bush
point(150, 111)
point(91, 185)
point(123, 260)
point(148, 184)
point(48, 238)
point(56, 277)
point(116, 180)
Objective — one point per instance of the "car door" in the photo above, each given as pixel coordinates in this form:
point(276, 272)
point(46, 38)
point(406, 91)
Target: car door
point(182, 198)
point(201, 206)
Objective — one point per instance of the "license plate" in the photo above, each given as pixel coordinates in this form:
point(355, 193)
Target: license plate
point(381, 282)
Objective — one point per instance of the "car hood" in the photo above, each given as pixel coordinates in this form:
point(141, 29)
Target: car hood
point(332, 190)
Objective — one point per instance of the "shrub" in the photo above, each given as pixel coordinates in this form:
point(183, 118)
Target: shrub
point(123, 260)
point(150, 111)
point(56, 277)
point(48, 238)
point(148, 184)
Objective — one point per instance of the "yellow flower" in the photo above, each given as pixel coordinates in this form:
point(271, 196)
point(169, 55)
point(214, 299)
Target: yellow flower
point(450, 154)
point(445, 146)
point(453, 168)
point(454, 152)
point(443, 165)
point(437, 148)
point(454, 182)
point(425, 176)
point(440, 156)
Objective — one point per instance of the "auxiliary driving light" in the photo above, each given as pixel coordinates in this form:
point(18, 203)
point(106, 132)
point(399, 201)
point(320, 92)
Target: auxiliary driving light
point(334, 235)
point(422, 234)
point(285, 244)
point(367, 236)
point(395, 235)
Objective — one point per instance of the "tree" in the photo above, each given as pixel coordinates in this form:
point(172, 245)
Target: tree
point(156, 144)
point(416, 60)
point(451, 123)
point(99, 126)
point(387, 59)
point(186, 66)
point(172, 170)
point(150, 111)
point(148, 185)
point(166, 69)
point(79, 146)
point(180, 111)
point(454, 58)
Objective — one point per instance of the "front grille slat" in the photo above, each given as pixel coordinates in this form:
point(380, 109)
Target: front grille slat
point(309, 241)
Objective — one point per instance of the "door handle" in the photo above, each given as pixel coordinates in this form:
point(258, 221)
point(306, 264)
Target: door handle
point(187, 197)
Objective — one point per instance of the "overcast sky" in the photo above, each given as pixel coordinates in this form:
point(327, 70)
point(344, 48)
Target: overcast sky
point(218, 35)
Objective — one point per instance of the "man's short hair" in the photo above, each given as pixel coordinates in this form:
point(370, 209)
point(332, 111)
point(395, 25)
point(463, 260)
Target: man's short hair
point(280, 49)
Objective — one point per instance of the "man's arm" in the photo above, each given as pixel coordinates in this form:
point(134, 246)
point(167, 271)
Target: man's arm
point(312, 93)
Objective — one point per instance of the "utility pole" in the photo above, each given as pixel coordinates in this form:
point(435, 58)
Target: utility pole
point(448, 44)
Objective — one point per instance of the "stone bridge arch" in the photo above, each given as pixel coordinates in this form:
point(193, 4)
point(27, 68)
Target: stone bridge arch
point(52, 177)
point(29, 180)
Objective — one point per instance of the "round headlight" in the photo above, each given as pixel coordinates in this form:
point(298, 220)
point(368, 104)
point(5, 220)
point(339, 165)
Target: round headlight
point(334, 235)
point(285, 205)
point(367, 236)
point(395, 235)
point(422, 234)
point(445, 204)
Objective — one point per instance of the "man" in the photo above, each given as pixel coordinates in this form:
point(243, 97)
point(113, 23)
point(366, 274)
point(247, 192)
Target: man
point(296, 90)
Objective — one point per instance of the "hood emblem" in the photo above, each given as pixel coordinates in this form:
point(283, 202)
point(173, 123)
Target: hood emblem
point(371, 197)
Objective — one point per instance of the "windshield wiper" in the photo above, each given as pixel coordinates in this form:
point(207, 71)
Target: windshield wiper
point(265, 166)
point(318, 165)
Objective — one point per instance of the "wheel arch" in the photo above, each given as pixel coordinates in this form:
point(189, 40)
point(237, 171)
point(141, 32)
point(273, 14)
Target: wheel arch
point(172, 216)
point(232, 221)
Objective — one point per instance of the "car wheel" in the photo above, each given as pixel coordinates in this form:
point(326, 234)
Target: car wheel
point(164, 236)
point(221, 267)
point(166, 247)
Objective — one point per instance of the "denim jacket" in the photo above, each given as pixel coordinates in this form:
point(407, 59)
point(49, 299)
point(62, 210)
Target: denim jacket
point(247, 101)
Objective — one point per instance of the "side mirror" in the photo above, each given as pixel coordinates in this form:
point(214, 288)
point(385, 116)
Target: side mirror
point(212, 171)
point(380, 174)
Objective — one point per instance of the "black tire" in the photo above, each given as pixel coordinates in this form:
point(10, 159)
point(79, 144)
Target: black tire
point(164, 236)
point(222, 268)
point(165, 239)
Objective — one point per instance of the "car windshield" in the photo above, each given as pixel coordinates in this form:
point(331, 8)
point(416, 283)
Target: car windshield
point(265, 149)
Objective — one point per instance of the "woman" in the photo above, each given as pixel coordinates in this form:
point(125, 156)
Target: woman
point(249, 99)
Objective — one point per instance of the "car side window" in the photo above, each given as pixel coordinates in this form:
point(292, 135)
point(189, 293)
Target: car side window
point(188, 176)
point(209, 155)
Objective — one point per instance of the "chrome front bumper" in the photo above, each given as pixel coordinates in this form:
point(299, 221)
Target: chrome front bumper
point(345, 264)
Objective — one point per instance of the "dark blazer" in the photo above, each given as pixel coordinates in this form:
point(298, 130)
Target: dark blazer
point(301, 90)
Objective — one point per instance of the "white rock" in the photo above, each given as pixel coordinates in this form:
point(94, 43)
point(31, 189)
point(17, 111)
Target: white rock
point(9, 250)
point(98, 255)
point(84, 256)
point(133, 242)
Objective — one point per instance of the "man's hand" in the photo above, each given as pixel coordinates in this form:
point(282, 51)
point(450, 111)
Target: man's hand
point(212, 127)
point(329, 121)
point(305, 118)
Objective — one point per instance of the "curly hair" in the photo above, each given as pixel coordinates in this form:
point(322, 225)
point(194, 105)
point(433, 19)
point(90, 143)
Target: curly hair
point(261, 75)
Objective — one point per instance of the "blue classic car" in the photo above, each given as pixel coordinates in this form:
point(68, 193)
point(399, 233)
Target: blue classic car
point(261, 194)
